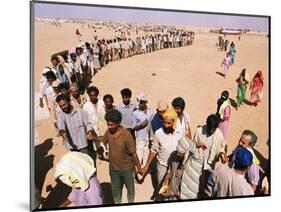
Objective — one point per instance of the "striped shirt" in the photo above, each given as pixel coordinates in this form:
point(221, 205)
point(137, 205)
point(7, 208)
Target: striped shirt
point(76, 124)
point(127, 114)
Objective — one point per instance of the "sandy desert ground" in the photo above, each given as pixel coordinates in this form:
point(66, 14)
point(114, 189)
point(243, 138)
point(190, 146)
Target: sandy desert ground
point(189, 72)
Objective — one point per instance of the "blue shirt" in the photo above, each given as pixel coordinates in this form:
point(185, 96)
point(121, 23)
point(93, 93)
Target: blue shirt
point(139, 117)
point(63, 77)
point(156, 122)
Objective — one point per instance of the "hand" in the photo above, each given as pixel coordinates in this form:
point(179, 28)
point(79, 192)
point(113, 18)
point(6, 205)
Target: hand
point(141, 171)
point(41, 104)
point(64, 136)
point(224, 158)
point(144, 170)
point(201, 145)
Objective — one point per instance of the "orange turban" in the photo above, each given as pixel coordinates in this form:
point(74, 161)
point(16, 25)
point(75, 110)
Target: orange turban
point(171, 113)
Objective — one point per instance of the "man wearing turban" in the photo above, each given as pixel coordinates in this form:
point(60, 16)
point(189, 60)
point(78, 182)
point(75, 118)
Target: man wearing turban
point(164, 144)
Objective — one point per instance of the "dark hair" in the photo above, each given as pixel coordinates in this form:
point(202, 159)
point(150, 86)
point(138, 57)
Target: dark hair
point(225, 94)
point(54, 58)
point(93, 89)
point(62, 97)
point(108, 96)
point(243, 72)
point(113, 116)
point(254, 137)
point(73, 54)
point(126, 92)
point(224, 97)
point(64, 85)
point(49, 69)
point(213, 121)
point(50, 75)
point(60, 66)
point(178, 102)
point(240, 167)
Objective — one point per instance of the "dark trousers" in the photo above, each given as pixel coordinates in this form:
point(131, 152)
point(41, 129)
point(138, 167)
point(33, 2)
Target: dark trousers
point(203, 183)
point(118, 179)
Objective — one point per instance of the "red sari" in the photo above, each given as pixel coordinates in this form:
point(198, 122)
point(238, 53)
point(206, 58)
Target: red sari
point(256, 88)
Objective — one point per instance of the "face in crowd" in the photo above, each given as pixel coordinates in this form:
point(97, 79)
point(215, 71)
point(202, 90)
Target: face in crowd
point(93, 97)
point(113, 119)
point(108, 103)
point(55, 61)
point(65, 106)
point(168, 125)
point(61, 69)
point(112, 127)
point(75, 92)
point(244, 141)
point(178, 110)
point(142, 105)
point(64, 90)
point(126, 100)
point(73, 57)
point(57, 89)
point(160, 113)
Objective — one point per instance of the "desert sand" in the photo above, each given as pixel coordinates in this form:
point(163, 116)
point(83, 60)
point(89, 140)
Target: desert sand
point(189, 72)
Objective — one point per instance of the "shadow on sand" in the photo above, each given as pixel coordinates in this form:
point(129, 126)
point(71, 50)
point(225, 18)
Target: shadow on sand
point(107, 193)
point(233, 103)
point(42, 162)
point(57, 195)
point(247, 102)
point(219, 73)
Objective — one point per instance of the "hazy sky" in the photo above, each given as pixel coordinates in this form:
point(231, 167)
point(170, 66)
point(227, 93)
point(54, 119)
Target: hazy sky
point(147, 16)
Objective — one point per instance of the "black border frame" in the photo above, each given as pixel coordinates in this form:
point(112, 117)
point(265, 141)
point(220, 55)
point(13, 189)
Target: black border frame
point(31, 90)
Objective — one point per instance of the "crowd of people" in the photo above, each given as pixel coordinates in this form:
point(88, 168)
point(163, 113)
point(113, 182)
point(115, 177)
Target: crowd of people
point(229, 58)
point(243, 80)
point(138, 140)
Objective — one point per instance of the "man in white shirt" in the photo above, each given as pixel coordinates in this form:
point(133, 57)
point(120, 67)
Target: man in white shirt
point(183, 121)
point(141, 125)
point(202, 162)
point(46, 80)
point(164, 144)
point(52, 93)
point(95, 108)
point(75, 69)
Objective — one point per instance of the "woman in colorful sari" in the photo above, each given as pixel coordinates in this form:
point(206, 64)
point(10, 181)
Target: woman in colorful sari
point(232, 52)
point(242, 81)
point(256, 88)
